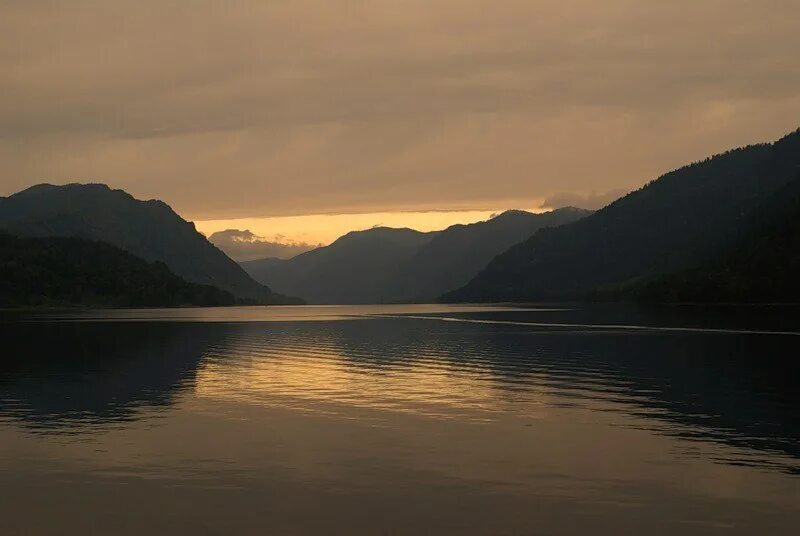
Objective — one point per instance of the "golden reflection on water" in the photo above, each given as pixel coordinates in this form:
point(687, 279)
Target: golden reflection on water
point(399, 424)
point(322, 378)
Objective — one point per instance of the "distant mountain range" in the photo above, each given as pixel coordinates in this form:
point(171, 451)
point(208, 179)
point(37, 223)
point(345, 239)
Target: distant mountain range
point(691, 217)
point(58, 271)
point(247, 246)
point(399, 265)
point(724, 229)
point(150, 230)
point(353, 269)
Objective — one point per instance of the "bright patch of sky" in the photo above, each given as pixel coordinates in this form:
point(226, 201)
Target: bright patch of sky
point(325, 228)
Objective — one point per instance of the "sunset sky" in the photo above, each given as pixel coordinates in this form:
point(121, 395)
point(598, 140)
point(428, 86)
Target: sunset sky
point(325, 228)
point(255, 111)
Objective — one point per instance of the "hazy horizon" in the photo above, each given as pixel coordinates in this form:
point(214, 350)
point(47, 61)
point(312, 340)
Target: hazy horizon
point(322, 229)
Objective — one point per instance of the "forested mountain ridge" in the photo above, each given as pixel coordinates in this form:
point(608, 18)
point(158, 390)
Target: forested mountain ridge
point(400, 265)
point(686, 217)
point(763, 266)
point(59, 271)
point(148, 229)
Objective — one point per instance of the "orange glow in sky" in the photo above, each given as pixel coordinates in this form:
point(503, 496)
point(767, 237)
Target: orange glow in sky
point(325, 228)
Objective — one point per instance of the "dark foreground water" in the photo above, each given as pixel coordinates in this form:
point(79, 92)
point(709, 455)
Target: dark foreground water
point(401, 420)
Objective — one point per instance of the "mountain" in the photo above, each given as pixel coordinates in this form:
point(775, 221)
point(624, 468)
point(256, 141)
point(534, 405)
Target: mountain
point(247, 246)
point(683, 219)
point(457, 254)
point(353, 269)
point(762, 267)
point(57, 271)
point(261, 267)
point(148, 229)
point(399, 265)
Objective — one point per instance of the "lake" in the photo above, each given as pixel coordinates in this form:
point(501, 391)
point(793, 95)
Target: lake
point(401, 420)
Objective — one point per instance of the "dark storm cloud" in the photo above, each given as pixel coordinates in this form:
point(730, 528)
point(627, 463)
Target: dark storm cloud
point(248, 108)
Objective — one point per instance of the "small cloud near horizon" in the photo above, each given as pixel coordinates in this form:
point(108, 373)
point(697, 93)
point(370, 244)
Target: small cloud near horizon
point(325, 228)
point(590, 201)
point(244, 245)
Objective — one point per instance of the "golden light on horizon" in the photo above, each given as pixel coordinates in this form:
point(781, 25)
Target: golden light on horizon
point(325, 228)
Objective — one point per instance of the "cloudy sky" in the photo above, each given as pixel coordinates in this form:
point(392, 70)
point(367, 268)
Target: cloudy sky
point(275, 108)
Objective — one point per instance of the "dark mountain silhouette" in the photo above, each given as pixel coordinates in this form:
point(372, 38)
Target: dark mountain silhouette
point(683, 219)
point(398, 265)
point(148, 229)
point(58, 271)
point(762, 267)
point(260, 268)
point(353, 269)
point(458, 253)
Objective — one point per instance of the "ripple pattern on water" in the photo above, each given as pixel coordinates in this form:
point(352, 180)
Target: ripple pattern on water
point(524, 408)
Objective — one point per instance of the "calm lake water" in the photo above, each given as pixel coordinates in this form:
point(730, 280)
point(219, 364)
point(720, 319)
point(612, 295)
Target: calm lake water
point(401, 420)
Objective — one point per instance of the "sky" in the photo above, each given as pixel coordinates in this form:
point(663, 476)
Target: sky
point(268, 109)
point(246, 239)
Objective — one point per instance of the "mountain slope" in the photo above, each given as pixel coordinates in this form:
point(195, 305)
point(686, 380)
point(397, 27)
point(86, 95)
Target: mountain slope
point(148, 229)
point(246, 246)
point(57, 271)
point(458, 253)
point(396, 265)
point(762, 267)
point(353, 269)
point(684, 218)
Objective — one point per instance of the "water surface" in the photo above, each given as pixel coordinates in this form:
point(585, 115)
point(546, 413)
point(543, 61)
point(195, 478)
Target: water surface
point(401, 420)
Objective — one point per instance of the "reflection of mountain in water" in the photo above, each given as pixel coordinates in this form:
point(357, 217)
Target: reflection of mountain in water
point(57, 375)
point(733, 389)
point(738, 390)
